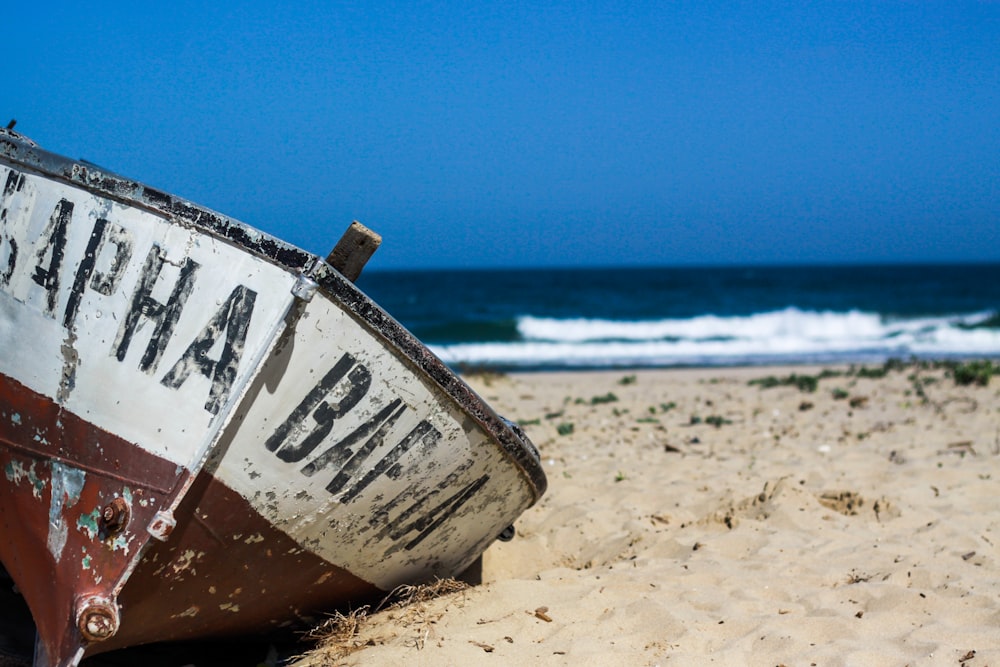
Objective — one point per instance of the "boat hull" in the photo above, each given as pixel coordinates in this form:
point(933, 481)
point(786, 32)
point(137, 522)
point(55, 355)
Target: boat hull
point(205, 431)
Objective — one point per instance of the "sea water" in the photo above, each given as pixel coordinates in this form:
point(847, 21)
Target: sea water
point(532, 319)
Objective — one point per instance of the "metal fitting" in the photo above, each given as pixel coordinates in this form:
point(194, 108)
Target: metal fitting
point(97, 618)
point(115, 516)
point(304, 288)
point(162, 525)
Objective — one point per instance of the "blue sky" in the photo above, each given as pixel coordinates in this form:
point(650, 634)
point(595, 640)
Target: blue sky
point(540, 134)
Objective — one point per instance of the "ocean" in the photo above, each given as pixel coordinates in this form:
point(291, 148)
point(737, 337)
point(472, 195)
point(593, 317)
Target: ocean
point(548, 319)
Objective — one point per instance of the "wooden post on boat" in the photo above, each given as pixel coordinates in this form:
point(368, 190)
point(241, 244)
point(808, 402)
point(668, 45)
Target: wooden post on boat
point(353, 250)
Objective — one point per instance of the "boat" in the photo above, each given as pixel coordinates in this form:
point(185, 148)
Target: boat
point(208, 432)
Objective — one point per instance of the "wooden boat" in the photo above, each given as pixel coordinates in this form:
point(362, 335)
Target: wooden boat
point(205, 431)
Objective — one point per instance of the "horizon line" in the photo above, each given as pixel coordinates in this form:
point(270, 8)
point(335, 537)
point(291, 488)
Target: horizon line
point(696, 266)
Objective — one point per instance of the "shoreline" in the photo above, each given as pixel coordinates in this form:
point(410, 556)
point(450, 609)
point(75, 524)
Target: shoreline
point(692, 516)
point(766, 365)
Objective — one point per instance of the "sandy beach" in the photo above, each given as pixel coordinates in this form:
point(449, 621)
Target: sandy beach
point(694, 517)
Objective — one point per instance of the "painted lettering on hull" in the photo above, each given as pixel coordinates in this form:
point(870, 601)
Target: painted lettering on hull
point(103, 235)
point(39, 270)
point(163, 315)
point(376, 448)
point(230, 324)
point(8, 244)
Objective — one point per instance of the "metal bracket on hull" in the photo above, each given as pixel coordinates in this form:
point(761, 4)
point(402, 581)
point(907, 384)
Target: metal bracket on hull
point(304, 288)
point(162, 525)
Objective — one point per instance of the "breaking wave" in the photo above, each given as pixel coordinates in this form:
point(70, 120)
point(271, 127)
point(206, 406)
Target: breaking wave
point(790, 335)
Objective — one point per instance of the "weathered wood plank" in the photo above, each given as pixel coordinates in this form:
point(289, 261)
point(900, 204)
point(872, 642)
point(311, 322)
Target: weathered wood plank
point(353, 250)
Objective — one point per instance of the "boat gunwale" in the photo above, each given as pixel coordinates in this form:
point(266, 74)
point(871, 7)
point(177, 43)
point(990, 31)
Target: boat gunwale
point(25, 153)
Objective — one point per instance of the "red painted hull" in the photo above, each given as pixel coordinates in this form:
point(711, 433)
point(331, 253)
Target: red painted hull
point(204, 583)
point(211, 578)
point(40, 443)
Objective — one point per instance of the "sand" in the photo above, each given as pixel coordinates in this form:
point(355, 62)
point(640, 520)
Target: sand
point(693, 518)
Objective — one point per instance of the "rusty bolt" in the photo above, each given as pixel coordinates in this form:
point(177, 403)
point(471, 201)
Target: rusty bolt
point(114, 516)
point(97, 618)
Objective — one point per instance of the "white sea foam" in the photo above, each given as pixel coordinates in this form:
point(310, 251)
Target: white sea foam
point(787, 335)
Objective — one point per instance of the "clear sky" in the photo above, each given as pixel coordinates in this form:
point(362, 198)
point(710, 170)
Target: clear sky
point(540, 134)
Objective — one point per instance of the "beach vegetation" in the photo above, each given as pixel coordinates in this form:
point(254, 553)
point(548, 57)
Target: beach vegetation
point(620, 476)
point(806, 383)
point(922, 380)
point(405, 606)
point(648, 420)
point(717, 420)
point(606, 398)
point(564, 428)
point(891, 365)
point(627, 380)
point(871, 373)
point(339, 634)
point(918, 385)
point(802, 382)
point(974, 372)
point(896, 364)
point(695, 419)
point(529, 422)
point(839, 394)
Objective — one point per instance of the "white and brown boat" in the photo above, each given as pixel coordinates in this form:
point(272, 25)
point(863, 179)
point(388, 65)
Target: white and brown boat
point(205, 431)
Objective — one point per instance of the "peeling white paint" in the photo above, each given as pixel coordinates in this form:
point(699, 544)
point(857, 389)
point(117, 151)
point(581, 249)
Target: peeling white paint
point(67, 484)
